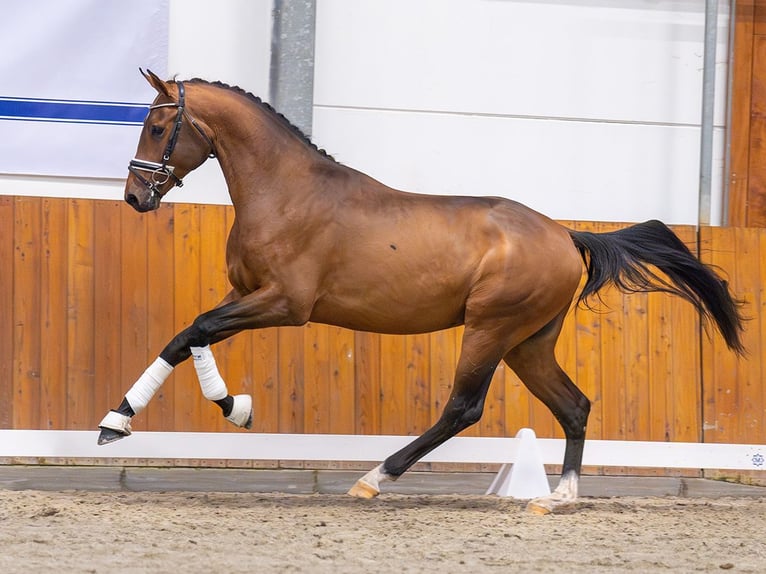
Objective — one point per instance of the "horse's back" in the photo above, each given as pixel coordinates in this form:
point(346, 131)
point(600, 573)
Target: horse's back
point(421, 263)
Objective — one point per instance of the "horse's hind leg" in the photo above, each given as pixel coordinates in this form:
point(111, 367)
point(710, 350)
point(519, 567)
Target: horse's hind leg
point(535, 364)
point(478, 358)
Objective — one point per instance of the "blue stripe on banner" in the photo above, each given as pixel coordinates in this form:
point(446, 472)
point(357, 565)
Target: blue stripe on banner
point(72, 111)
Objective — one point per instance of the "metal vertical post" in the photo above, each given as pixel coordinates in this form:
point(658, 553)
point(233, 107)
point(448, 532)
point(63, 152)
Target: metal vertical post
point(291, 83)
point(708, 112)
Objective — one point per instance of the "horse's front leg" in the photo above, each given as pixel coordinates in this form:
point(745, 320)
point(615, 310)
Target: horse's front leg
point(230, 317)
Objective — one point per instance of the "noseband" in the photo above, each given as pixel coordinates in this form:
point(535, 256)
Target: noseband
point(162, 172)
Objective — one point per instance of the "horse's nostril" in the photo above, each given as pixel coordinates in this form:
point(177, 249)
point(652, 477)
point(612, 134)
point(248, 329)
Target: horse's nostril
point(132, 200)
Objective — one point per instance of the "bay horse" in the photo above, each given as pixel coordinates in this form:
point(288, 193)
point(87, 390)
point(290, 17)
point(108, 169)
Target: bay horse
point(314, 240)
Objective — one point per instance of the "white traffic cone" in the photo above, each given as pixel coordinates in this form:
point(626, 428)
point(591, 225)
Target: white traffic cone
point(526, 478)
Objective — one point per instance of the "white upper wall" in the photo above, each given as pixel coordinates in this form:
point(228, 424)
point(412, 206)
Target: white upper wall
point(582, 109)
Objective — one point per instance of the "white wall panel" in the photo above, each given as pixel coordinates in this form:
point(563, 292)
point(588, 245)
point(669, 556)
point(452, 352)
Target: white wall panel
point(628, 60)
point(565, 169)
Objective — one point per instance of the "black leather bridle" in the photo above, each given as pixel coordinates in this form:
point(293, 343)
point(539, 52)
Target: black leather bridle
point(162, 172)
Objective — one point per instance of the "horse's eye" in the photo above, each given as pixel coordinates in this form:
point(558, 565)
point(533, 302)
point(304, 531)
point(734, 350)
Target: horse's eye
point(157, 131)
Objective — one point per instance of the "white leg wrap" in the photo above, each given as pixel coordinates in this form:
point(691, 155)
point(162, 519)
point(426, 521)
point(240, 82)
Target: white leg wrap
point(147, 384)
point(210, 380)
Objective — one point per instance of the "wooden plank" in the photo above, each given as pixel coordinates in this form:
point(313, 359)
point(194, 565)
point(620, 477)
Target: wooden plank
point(492, 422)
point(636, 350)
point(160, 309)
point(214, 286)
point(367, 377)
point(291, 380)
point(261, 376)
point(108, 388)
point(26, 305)
point(134, 298)
point(54, 324)
point(750, 384)
point(587, 373)
point(517, 399)
point(417, 384)
point(613, 360)
point(393, 416)
point(722, 370)
point(741, 92)
point(759, 16)
point(81, 320)
point(444, 346)
point(316, 348)
point(686, 415)
point(186, 239)
point(756, 180)
point(660, 370)
point(7, 334)
point(341, 385)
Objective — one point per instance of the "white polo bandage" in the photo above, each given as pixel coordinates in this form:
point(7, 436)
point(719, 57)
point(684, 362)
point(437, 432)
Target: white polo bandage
point(147, 384)
point(210, 380)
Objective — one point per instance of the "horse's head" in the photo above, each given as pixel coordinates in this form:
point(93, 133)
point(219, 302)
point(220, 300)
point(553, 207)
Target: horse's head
point(172, 144)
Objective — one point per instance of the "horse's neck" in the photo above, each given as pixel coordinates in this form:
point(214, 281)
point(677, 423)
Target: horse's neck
point(267, 166)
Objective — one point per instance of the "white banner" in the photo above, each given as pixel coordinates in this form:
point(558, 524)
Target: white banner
point(71, 97)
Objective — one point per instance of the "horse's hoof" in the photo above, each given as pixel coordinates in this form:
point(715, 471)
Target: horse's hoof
point(109, 435)
point(242, 412)
point(363, 490)
point(113, 427)
point(538, 508)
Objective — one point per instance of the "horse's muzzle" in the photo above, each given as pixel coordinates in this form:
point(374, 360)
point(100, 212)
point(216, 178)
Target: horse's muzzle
point(150, 204)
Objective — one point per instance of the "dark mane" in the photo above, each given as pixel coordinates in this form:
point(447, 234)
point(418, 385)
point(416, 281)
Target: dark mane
point(268, 108)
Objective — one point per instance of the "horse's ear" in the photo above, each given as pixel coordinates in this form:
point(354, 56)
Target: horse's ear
point(155, 82)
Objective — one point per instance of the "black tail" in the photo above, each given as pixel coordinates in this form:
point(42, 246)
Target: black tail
point(625, 259)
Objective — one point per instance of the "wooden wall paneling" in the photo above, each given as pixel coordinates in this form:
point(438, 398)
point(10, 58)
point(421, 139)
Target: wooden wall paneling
point(758, 350)
point(417, 376)
point(342, 381)
point(214, 285)
point(751, 411)
point(133, 303)
point(661, 367)
point(739, 131)
point(186, 238)
point(26, 305)
point(291, 380)
point(756, 180)
point(316, 378)
point(81, 318)
point(587, 373)
point(493, 421)
point(445, 347)
point(367, 396)
point(613, 360)
point(685, 418)
point(721, 368)
point(393, 417)
point(637, 381)
point(517, 403)
point(108, 386)
point(7, 322)
point(55, 304)
point(260, 376)
point(160, 311)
